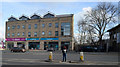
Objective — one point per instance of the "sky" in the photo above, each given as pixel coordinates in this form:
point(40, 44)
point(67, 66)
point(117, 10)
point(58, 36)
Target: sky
point(18, 9)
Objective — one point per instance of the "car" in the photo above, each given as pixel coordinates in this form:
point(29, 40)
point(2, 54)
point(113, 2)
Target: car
point(17, 49)
point(50, 49)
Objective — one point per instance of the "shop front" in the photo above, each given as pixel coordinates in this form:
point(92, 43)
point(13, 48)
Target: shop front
point(50, 43)
point(15, 42)
point(33, 43)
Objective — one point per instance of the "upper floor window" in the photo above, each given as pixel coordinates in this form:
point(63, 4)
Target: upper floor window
point(50, 33)
point(43, 33)
point(35, 34)
point(23, 34)
point(8, 28)
point(65, 29)
point(18, 34)
point(29, 34)
point(35, 26)
point(23, 26)
point(43, 25)
point(8, 34)
point(13, 27)
point(50, 24)
point(115, 36)
point(56, 25)
point(18, 26)
point(29, 26)
point(13, 34)
point(56, 33)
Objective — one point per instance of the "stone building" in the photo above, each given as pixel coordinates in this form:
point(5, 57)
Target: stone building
point(36, 32)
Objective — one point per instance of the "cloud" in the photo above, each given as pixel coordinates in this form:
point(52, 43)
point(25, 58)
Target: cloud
point(87, 9)
point(78, 16)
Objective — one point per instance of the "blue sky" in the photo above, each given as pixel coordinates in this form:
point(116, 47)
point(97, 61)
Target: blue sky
point(29, 8)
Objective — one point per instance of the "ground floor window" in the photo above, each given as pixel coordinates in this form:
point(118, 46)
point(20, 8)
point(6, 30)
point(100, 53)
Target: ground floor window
point(10, 45)
point(65, 44)
point(21, 44)
point(49, 45)
point(34, 45)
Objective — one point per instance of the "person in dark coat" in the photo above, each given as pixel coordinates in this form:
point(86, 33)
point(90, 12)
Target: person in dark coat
point(64, 51)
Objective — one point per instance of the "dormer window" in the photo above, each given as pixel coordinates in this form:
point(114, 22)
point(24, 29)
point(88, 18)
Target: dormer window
point(24, 18)
point(35, 17)
point(12, 19)
point(49, 15)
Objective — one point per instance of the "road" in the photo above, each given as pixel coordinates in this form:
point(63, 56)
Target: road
point(39, 57)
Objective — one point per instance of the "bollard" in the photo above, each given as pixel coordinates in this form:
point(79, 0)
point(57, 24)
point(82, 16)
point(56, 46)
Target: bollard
point(50, 56)
point(81, 56)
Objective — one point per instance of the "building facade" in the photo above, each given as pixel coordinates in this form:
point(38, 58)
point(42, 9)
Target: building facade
point(114, 38)
point(36, 32)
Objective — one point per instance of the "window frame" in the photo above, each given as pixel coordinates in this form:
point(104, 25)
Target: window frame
point(18, 26)
point(29, 26)
point(56, 25)
point(29, 33)
point(50, 33)
point(50, 24)
point(43, 33)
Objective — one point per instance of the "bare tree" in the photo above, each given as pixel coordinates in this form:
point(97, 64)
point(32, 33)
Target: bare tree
point(99, 17)
point(81, 29)
point(86, 33)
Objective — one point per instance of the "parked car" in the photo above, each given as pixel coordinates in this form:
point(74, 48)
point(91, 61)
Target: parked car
point(50, 49)
point(17, 49)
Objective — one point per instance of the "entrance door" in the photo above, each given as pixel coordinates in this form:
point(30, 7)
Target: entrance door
point(66, 44)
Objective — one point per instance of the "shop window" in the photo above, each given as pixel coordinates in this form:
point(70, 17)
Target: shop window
point(23, 26)
point(50, 33)
point(50, 24)
point(18, 34)
point(8, 27)
point(29, 26)
point(43, 33)
point(29, 34)
point(18, 26)
point(43, 25)
point(13, 34)
point(35, 26)
point(56, 33)
point(35, 34)
point(8, 34)
point(56, 25)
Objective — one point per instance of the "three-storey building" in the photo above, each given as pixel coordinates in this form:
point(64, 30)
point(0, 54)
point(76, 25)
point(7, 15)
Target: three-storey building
point(36, 32)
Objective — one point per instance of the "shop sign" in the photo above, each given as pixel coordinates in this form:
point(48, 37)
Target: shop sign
point(32, 38)
point(49, 38)
point(15, 39)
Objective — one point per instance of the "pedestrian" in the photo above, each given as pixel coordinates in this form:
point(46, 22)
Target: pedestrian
point(64, 51)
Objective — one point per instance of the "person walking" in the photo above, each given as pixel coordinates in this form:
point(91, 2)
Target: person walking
point(64, 51)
